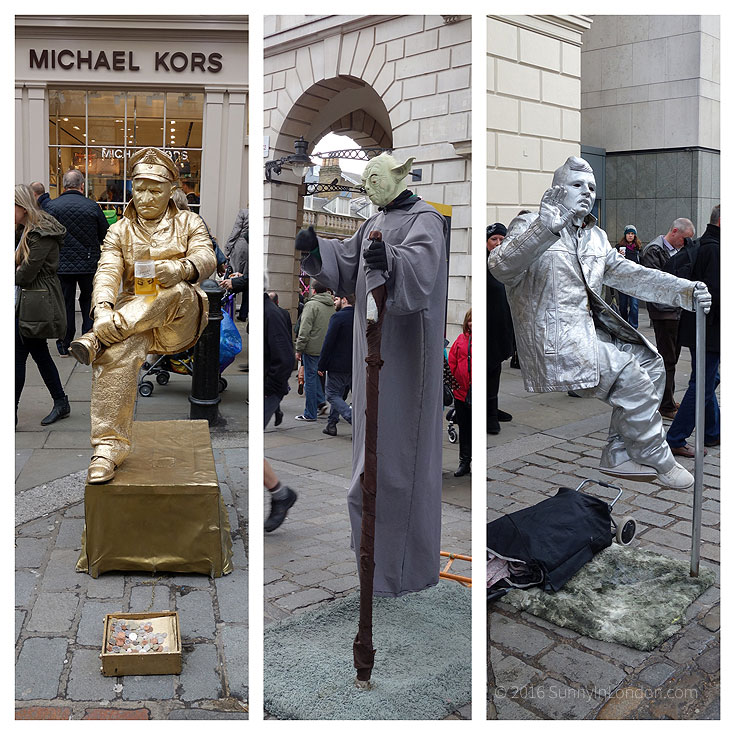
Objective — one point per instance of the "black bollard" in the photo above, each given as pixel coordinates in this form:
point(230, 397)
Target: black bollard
point(204, 396)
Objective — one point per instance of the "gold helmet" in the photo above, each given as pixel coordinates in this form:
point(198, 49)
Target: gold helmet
point(152, 163)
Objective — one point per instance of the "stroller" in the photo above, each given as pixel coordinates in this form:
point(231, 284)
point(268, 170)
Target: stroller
point(451, 431)
point(182, 363)
point(449, 383)
point(548, 543)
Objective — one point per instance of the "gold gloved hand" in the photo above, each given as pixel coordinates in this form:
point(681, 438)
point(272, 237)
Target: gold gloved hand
point(105, 325)
point(169, 272)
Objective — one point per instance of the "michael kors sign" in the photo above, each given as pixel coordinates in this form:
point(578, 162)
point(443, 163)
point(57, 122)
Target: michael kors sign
point(163, 61)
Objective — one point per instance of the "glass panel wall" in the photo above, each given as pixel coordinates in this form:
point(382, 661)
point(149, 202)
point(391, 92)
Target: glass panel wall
point(97, 131)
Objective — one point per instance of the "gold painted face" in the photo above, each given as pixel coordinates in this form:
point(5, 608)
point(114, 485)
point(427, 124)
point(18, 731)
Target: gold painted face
point(151, 197)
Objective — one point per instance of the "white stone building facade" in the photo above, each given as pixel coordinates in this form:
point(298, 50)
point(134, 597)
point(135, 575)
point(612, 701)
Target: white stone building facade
point(643, 90)
point(651, 99)
point(533, 106)
point(91, 89)
point(400, 82)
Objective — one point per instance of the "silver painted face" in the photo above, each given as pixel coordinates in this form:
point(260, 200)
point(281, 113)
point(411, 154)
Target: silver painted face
point(581, 192)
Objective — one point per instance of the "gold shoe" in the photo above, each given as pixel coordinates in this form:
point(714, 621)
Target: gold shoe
point(100, 470)
point(86, 348)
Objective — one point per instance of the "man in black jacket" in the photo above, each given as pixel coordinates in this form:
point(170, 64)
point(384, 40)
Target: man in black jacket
point(278, 365)
point(335, 359)
point(86, 227)
point(706, 268)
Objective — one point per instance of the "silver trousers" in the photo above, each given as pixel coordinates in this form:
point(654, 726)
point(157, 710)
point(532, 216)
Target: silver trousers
point(632, 381)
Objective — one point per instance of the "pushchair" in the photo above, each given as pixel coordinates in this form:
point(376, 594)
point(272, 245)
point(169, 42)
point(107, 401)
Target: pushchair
point(548, 543)
point(451, 431)
point(182, 363)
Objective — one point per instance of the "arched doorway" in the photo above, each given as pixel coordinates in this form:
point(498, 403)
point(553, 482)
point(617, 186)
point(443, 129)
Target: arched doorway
point(343, 105)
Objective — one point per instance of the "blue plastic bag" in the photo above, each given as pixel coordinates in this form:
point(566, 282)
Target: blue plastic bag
point(230, 341)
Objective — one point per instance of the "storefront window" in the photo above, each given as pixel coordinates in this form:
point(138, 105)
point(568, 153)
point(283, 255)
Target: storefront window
point(97, 131)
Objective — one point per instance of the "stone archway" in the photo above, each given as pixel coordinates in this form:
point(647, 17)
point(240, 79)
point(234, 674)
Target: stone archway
point(343, 105)
point(400, 82)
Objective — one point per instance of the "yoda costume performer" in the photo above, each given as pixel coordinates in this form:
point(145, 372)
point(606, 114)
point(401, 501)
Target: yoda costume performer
point(411, 262)
point(128, 327)
point(554, 265)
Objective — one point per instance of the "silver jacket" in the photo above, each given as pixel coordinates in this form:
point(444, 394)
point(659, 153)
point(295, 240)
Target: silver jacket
point(554, 285)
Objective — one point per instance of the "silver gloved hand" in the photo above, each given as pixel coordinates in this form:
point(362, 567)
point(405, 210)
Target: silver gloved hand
point(701, 295)
point(552, 212)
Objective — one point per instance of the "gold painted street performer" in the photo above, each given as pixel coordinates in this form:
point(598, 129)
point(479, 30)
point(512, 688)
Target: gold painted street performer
point(127, 326)
point(554, 264)
point(410, 260)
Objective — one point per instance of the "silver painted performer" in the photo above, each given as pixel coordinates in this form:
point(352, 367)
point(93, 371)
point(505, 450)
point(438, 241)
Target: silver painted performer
point(554, 265)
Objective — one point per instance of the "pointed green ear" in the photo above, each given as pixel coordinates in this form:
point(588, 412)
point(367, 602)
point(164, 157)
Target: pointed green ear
point(400, 172)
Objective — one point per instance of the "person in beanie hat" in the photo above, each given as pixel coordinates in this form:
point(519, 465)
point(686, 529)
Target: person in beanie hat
point(500, 342)
point(629, 247)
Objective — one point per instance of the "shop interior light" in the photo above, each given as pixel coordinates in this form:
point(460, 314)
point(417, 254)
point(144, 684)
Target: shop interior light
point(76, 127)
point(65, 119)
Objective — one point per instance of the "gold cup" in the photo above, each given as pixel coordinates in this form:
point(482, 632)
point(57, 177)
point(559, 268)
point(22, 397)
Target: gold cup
point(145, 278)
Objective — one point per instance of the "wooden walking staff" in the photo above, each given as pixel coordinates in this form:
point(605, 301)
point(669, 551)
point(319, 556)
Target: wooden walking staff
point(362, 648)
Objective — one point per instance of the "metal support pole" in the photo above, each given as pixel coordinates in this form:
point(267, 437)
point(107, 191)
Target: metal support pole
point(204, 397)
point(701, 349)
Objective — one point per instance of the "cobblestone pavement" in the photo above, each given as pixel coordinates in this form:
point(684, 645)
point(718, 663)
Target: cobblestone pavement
point(59, 612)
point(555, 440)
point(308, 560)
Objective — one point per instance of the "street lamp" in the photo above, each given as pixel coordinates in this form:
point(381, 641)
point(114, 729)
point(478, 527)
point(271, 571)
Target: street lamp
point(299, 160)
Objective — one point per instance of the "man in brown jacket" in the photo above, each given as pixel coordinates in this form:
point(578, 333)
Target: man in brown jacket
point(665, 318)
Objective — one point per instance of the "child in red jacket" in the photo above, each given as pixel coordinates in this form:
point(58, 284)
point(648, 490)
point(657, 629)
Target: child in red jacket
point(460, 363)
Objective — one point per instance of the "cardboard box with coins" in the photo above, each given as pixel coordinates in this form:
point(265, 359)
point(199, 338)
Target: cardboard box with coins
point(141, 643)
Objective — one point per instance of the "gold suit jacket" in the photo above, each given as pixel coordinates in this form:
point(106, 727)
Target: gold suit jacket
point(179, 234)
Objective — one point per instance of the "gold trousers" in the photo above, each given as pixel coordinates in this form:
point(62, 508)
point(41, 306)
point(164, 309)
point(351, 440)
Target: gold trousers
point(166, 324)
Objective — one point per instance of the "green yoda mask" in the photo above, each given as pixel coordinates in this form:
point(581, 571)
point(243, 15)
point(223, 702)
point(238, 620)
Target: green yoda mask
point(383, 178)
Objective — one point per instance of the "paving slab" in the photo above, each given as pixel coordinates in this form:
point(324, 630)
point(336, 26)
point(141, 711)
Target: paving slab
point(571, 676)
point(59, 612)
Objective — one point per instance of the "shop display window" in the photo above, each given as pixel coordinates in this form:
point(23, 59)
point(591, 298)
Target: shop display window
point(97, 131)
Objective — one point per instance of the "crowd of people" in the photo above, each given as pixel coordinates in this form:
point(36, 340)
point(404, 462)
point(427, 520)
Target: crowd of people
point(58, 247)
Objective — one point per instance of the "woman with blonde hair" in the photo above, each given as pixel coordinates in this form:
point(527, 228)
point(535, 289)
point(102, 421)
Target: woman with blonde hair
point(460, 363)
point(40, 313)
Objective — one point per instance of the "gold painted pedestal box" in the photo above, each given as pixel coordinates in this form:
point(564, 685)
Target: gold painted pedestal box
point(163, 510)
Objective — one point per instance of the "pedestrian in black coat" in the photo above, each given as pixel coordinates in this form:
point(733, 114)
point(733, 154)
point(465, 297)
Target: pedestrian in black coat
point(86, 227)
point(499, 334)
point(706, 268)
point(278, 355)
point(335, 360)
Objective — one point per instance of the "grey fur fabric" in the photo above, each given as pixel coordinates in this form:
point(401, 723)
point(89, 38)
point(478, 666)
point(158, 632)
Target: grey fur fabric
point(629, 596)
point(423, 664)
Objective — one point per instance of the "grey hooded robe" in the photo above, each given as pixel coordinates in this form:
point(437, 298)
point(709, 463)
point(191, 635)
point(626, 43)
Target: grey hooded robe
point(408, 513)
